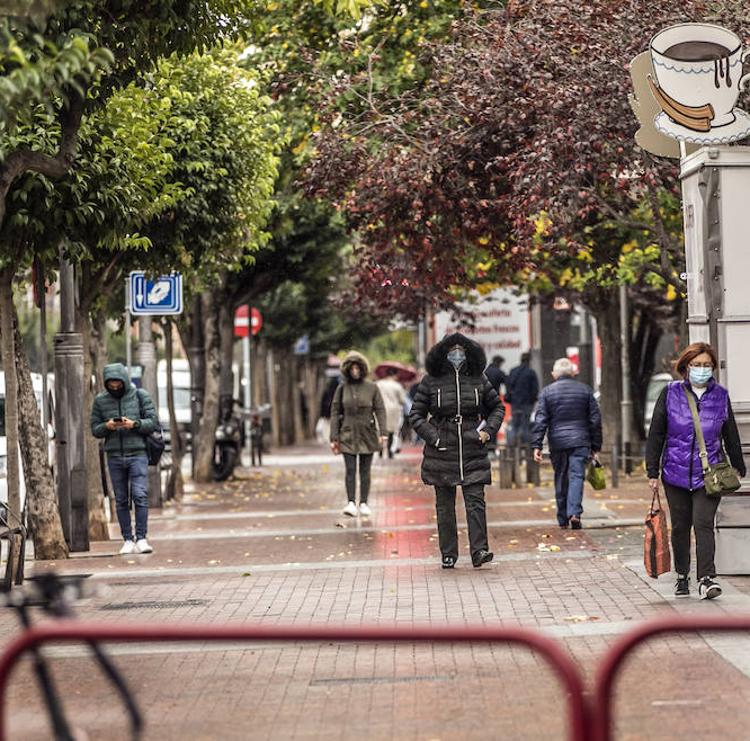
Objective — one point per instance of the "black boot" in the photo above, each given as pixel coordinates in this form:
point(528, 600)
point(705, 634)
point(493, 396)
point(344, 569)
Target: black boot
point(481, 557)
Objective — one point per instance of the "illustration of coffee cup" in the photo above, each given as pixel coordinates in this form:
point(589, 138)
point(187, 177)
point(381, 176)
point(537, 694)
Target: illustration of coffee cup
point(699, 70)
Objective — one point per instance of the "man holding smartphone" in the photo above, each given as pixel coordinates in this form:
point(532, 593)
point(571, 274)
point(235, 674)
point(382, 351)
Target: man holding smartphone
point(123, 416)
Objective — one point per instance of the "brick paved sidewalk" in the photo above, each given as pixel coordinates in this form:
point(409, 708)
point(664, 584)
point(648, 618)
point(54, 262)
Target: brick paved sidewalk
point(272, 547)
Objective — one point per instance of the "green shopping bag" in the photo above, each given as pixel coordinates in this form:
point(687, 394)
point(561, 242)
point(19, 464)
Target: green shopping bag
point(595, 475)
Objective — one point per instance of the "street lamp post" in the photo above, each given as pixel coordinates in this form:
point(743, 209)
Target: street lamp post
point(72, 490)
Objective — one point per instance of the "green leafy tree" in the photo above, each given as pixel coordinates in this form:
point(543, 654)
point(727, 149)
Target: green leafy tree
point(55, 64)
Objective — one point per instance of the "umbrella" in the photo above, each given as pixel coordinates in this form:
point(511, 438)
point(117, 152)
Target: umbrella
point(406, 373)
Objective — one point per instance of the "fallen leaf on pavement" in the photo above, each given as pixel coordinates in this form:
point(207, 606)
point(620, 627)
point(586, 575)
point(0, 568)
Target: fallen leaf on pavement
point(581, 618)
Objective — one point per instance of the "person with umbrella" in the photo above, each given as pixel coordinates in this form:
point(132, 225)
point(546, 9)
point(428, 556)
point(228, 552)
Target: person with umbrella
point(456, 411)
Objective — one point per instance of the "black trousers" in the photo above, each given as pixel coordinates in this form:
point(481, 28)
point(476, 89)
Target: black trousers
point(388, 446)
point(476, 518)
point(365, 464)
point(692, 509)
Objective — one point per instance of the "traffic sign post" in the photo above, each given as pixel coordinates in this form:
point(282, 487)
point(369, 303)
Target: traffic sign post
point(247, 321)
point(160, 296)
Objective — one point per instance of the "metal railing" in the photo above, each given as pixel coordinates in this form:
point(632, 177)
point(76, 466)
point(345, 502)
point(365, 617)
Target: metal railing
point(67, 632)
point(612, 662)
point(589, 715)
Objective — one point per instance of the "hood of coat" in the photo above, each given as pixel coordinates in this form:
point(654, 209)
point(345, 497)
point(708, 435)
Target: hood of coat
point(117, 372)
point(352, 358)
point(437, 359)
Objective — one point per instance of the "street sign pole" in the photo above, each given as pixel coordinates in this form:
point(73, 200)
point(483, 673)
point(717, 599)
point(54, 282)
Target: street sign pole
point(147, 360)
point(248, 392)
point(128, 337)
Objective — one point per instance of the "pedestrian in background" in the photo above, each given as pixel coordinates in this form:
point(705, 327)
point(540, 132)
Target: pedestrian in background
point(357, 429)
point(522, 392)
point(672, 447)
point(569, 416)
point(123, 415)
point(394, 398)
point(323, 427)
point(495, 373)
point(456, 411)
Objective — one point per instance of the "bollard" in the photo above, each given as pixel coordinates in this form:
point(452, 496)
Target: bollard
point(533, 474)
point(505, 466)
point(516, 466)
point(615, 466)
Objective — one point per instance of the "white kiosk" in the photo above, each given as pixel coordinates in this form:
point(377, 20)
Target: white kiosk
point(686, 88)
point(716, 204)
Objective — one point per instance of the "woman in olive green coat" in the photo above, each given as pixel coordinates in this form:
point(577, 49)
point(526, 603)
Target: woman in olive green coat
point(358, 428)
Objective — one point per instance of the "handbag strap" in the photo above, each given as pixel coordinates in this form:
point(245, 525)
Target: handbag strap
point(698, 430)
point(656, 498)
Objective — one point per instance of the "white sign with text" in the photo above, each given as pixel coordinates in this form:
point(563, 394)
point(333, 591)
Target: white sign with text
point(501, 324)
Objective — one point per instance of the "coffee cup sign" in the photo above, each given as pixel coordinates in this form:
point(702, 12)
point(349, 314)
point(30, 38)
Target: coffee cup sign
point(698, 77)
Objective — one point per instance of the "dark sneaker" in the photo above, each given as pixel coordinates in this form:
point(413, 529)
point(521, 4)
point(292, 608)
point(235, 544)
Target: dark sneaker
point(448, 562)
point(708, 588)
point(482, 557)
point(682, 586)
point(575, 523)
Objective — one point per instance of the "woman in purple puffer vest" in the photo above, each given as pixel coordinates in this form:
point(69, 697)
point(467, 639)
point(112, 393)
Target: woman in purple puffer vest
point(672, 445)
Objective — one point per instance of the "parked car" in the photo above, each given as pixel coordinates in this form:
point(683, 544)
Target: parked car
point(182, 395)
point(36, 380)
point(655, 385)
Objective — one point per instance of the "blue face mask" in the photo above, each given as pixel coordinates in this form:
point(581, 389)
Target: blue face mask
point(700, 376)
point(456, 358)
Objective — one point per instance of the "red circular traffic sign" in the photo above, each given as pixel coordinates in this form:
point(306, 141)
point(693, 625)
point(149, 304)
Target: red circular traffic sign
point(247, 321)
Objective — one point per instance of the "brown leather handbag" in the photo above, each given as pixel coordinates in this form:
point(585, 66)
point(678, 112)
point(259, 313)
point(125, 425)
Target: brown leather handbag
point(656, 555)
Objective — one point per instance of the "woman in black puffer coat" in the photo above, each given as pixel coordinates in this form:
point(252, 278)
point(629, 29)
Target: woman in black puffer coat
point(456, 411)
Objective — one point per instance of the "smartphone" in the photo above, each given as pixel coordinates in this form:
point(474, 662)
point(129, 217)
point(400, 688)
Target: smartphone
point(117, 419)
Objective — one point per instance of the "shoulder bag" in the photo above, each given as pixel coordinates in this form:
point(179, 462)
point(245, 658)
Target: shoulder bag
point(719, 478)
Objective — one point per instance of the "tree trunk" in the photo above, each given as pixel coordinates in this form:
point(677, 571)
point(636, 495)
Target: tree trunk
point(226, 331)
point(175, 483)
point(44, 516)
point(204, 453)
point(91, 329)
point(607, 313)
point(7, 356)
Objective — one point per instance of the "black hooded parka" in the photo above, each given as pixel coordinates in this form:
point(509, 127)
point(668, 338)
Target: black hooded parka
point(449, 406)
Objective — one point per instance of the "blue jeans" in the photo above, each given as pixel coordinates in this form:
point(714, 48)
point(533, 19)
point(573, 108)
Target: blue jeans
point(129, 476)
point(570, 469)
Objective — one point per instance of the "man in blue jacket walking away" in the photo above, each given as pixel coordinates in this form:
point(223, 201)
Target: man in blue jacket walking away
point(569, 415)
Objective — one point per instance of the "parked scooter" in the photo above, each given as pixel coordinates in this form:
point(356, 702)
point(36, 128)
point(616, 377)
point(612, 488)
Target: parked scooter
point(228, 442)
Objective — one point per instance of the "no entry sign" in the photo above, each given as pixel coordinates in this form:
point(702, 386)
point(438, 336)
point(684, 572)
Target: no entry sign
point(247, 321)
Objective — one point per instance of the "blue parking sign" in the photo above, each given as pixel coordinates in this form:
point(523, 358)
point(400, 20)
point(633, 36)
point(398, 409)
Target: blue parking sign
point(155, 296)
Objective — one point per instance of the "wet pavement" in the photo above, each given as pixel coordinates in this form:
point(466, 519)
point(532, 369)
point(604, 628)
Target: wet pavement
point(273, 548)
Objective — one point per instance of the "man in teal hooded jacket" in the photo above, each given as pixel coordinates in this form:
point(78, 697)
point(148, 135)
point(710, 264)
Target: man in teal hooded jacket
point(123, 415)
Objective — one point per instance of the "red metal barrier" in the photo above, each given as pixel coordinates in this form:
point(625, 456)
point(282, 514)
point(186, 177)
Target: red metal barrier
point(612, 662)
point(556, 657)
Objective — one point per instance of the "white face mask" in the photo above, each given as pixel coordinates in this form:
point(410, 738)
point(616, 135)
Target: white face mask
point(457, 358)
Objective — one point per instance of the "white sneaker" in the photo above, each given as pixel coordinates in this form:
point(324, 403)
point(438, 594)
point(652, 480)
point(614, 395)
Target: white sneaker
point(351, 509)
point(142, 546)
point(364, 510)
point(128, 547)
